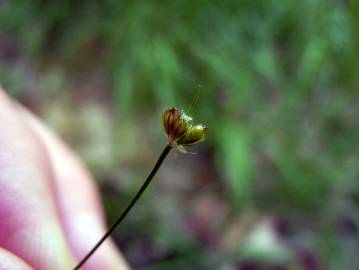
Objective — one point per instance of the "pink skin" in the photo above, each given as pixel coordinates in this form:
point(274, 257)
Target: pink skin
point(9, 261)
point(50, 214)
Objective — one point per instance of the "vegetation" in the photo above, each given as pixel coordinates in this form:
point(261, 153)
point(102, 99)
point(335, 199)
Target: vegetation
point(278, 83)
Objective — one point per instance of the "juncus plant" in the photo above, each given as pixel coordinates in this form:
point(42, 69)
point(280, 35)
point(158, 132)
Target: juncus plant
point(181, 134)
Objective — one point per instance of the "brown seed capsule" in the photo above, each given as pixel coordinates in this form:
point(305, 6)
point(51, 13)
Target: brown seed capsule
point(175, 123)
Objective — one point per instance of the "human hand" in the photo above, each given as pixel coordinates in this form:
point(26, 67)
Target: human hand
point(50, 215)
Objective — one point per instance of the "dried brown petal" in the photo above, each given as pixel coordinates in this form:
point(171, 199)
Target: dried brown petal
point(175, 123)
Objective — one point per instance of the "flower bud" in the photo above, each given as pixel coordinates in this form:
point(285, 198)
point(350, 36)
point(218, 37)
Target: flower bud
point(175, 123)
point(193, 135)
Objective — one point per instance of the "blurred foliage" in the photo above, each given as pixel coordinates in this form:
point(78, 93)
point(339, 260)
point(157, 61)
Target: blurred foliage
point(279, 92)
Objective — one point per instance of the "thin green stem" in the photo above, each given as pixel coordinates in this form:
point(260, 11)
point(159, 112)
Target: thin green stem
point(129, 207)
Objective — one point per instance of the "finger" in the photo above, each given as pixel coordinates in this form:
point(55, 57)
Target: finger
point(9, 261)
point(29, 225)
point(80, 211)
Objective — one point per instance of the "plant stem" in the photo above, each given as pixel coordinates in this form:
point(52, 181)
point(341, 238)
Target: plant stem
point(162, 157)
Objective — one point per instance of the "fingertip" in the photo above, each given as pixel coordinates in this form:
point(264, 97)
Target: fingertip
point(29, 224)
point(79, 204)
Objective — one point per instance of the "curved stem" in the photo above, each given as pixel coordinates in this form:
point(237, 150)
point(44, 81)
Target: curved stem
point(129, 207)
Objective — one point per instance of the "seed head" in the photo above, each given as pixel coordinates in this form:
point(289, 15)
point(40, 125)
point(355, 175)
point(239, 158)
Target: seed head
point(179, 129)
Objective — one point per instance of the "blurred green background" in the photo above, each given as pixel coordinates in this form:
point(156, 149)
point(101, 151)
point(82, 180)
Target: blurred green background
point(275, 186)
